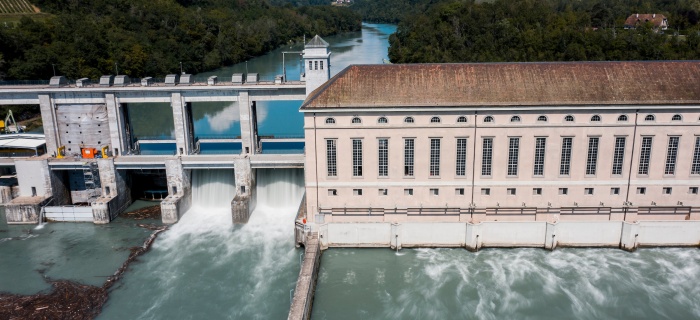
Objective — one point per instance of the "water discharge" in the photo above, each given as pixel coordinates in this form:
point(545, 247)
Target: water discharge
point(205, 267)
point(508, 284)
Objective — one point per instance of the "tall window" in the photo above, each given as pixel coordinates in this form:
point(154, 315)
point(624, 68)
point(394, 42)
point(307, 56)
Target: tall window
point(592, 159)
point(513, 152)
point(315, 65)
point(565, 164)
point(383, 157)
point(486, 156)
point(538, 168)
point(434, 157)
point(311, 65)
point(671, 155)
point(332, 169)
point(645, 155)
point(695, 169)
point(321, 62)
point(618, 155)
point(408, 148)
point(461, 167)
point(356, 157)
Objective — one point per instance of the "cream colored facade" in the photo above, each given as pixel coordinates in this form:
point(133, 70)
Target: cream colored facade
point(475, 197)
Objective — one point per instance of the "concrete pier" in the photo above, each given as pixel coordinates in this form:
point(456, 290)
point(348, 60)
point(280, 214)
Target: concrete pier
point(116, 194)
point(241, 206)
point(306, 283)
point(179, 197)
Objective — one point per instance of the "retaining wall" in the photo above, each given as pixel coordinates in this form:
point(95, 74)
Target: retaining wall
point(512, 234)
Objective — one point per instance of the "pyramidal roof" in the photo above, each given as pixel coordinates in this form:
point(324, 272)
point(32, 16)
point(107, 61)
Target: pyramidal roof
point(317, 42)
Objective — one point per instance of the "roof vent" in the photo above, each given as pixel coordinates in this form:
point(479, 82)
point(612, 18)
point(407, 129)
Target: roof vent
point(82, 82)
point(252, 78)
point(147, 81)
point(172, 79)
point(186, 79)
point(213, 80)
point(120, 81)
point(106, 81)
point(58, 81)
point(237, 78)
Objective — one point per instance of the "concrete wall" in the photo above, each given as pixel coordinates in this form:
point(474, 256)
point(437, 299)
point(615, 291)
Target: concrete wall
point(112, 203)
point(540, 234)
point(243, 202)
point(179, 198)
point(33, 174)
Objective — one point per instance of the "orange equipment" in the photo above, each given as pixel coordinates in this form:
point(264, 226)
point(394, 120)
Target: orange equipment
point(88, 153)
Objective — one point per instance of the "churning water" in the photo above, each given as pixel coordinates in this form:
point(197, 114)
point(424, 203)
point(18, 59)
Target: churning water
point(508, 284)
point(204, 267)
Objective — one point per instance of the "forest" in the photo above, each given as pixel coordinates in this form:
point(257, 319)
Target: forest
point(151, 37)
point(544, 30)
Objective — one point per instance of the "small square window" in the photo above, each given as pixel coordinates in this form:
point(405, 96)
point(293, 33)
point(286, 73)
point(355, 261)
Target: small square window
point(537, 191)
point(357, 192)
point(383, 192)
point(614, 191)
point(511, 191)
point(459, 191)
point(563, 191)
point(693, 190)
point(667, 190)
point(332, 192)
point(485, 191)
point(408, 192)
point(588, 191)
point(434, 192)
point(641, 190)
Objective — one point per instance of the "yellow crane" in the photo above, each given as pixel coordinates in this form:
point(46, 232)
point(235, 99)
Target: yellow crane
point(10, 125)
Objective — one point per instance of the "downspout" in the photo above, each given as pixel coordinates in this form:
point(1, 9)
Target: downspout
point(315, 162)
point(471, 205)
point(629, 174)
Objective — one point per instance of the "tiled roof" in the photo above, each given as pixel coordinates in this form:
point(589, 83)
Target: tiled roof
point(510, 84)
point(316, 42)
point(641, 18)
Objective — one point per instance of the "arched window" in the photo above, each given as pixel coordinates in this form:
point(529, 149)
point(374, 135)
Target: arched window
point(462, 119)
point(408, 120)
point(382, 120)
point(330, 121)
point(488, 119)
point(435, 120)
point(356, 120)
point(542, 118)
point(622, 117)
point(515, 119)
point(649, 117)
point(676, 117)
point(569, 118)
point(595, 118)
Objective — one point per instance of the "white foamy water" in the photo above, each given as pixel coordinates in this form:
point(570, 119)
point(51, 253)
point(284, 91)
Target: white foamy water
point(205, 267)
point(509, 284)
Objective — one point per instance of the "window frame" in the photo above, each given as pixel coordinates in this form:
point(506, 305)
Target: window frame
point(672, 155)
point(409, 157)
point(435, 119)
point(486, 157)
point(515, 119)
point(460, 118)
point(513, 156)
point(677, 117)
point(409, 120)
point(461, 157)
point(332, 157)
point(592, 156)
point(382, 120)
point(489, 119)
point(618, 163)
point(540, 156)
point(596, 118)
point(650, 118)
point(542, 118)
point(330, 120)
point(568, 116)
point(356, 120)
point(622, 118)
point(357, 158)
point(383, 157)
point(435, 149)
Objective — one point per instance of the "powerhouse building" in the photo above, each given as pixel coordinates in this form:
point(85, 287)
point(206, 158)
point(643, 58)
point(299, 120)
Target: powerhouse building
point(505, 141)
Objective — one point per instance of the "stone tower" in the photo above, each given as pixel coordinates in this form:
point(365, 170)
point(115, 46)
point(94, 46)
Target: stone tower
point(316, 63)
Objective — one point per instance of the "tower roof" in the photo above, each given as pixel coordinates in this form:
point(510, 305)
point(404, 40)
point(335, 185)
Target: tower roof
point(316, 42)
point(510, 84)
